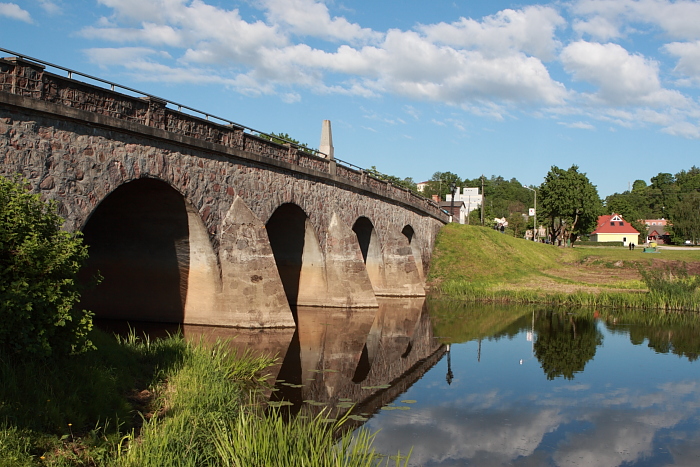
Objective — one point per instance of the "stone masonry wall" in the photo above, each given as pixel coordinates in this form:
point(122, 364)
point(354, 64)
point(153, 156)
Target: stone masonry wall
point(21, 77)
point(79, 165)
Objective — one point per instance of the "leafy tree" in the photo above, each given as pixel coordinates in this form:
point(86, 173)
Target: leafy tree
point(407, 182)
point(685, 217)
point(565, 343)
point(570, 203)
point(639, 186)
point(665, 197)
point(38, 286)
point(439, 184)
point(688, 181)
point(284, 138)
point(663, 193)
point(517, 225)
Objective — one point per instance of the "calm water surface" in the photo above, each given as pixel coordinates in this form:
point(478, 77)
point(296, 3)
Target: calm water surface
point(493, 385)
point(553, 388)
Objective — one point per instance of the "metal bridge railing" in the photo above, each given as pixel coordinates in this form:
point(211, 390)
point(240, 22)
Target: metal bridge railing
point(207, 116)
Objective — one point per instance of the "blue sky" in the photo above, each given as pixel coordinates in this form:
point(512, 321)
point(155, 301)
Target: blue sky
point(411, 87)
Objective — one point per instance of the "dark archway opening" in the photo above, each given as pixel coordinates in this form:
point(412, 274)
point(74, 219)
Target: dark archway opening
point(363, 228)
point(410, 235)
point(286, 230)
point(138, 240)
point(363, 367)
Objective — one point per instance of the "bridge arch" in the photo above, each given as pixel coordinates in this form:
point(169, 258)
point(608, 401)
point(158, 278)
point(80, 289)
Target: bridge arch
point(416, 249)
point(371, 248)
point(298, 255)
point(138, 239)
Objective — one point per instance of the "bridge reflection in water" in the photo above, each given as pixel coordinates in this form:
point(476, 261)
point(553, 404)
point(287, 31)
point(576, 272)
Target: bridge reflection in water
point(334, 358)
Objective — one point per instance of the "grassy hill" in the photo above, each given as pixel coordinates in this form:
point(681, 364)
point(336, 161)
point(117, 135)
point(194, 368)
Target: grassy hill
point(480, 264)
point(479, 254)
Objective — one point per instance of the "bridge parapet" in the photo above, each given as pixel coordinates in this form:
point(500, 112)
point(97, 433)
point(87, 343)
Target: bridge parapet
point(27, 78)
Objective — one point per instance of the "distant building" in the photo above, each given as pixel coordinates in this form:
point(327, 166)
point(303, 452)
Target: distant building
point(657, 230)
point(651, 222)
point(541, 233)
point(613, 228)
point(421, 186)
point(458, 211)
point(470, 196)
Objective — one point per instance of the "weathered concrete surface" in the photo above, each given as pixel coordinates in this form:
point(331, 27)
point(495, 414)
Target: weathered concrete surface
point(77, 144)
point(401, 276)
point(251, 291)
point(347, 278)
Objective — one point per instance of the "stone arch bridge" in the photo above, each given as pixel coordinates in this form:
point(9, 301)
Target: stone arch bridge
point(192, 221)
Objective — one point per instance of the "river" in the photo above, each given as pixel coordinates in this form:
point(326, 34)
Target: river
point(494, 385)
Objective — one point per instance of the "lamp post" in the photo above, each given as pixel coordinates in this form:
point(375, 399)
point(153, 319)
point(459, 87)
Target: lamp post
point(534, 224)
point(450, 376)
point(453, 187)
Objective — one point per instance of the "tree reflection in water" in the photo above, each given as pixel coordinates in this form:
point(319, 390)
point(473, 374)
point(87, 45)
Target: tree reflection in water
point(565, 343)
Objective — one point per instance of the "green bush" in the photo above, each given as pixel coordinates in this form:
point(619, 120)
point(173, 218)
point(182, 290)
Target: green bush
point(38, 267)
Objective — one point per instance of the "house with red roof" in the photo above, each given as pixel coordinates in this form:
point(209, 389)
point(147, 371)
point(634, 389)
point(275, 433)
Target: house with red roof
point(613, 228)
point(657, 230)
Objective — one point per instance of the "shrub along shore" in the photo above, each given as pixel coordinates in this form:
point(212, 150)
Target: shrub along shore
point(472, 263)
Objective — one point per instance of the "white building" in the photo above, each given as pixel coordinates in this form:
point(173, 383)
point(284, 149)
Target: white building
point(470, 196)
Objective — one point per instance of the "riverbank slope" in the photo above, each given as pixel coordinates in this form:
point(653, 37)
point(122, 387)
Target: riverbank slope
point(481, 264)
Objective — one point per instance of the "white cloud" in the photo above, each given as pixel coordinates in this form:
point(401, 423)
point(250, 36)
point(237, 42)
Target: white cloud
point(140, 61)
point(402, 62)
point(149, 33)
point(123, 55)
point(622, 78)
point(530, 30)
point(136, 11)
point(412, 66)
point(412, 111)
point(578, 125)
point(312, 18)
point(597, 27)
point(688, 54)
point(677, 19)
point(489, 67)
point(50, 7)
point(13, 11)
point(684, 129)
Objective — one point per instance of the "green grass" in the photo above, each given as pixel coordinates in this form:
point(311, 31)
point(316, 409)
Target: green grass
point(481, 265)
point(478, 254)
point(76, 412)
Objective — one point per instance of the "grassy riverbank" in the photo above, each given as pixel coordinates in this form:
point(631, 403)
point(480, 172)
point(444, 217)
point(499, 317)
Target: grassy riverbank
point(158, 403)
point(479, 264)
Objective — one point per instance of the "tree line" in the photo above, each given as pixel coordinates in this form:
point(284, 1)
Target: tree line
point(672, 197)
point(568, 204)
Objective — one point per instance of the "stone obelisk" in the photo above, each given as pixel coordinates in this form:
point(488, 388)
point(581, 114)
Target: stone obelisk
point(326, 146)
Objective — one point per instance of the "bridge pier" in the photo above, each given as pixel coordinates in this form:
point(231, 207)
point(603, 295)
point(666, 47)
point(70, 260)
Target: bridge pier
point(401, 276)
point(348, 281)
point(251, 292)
